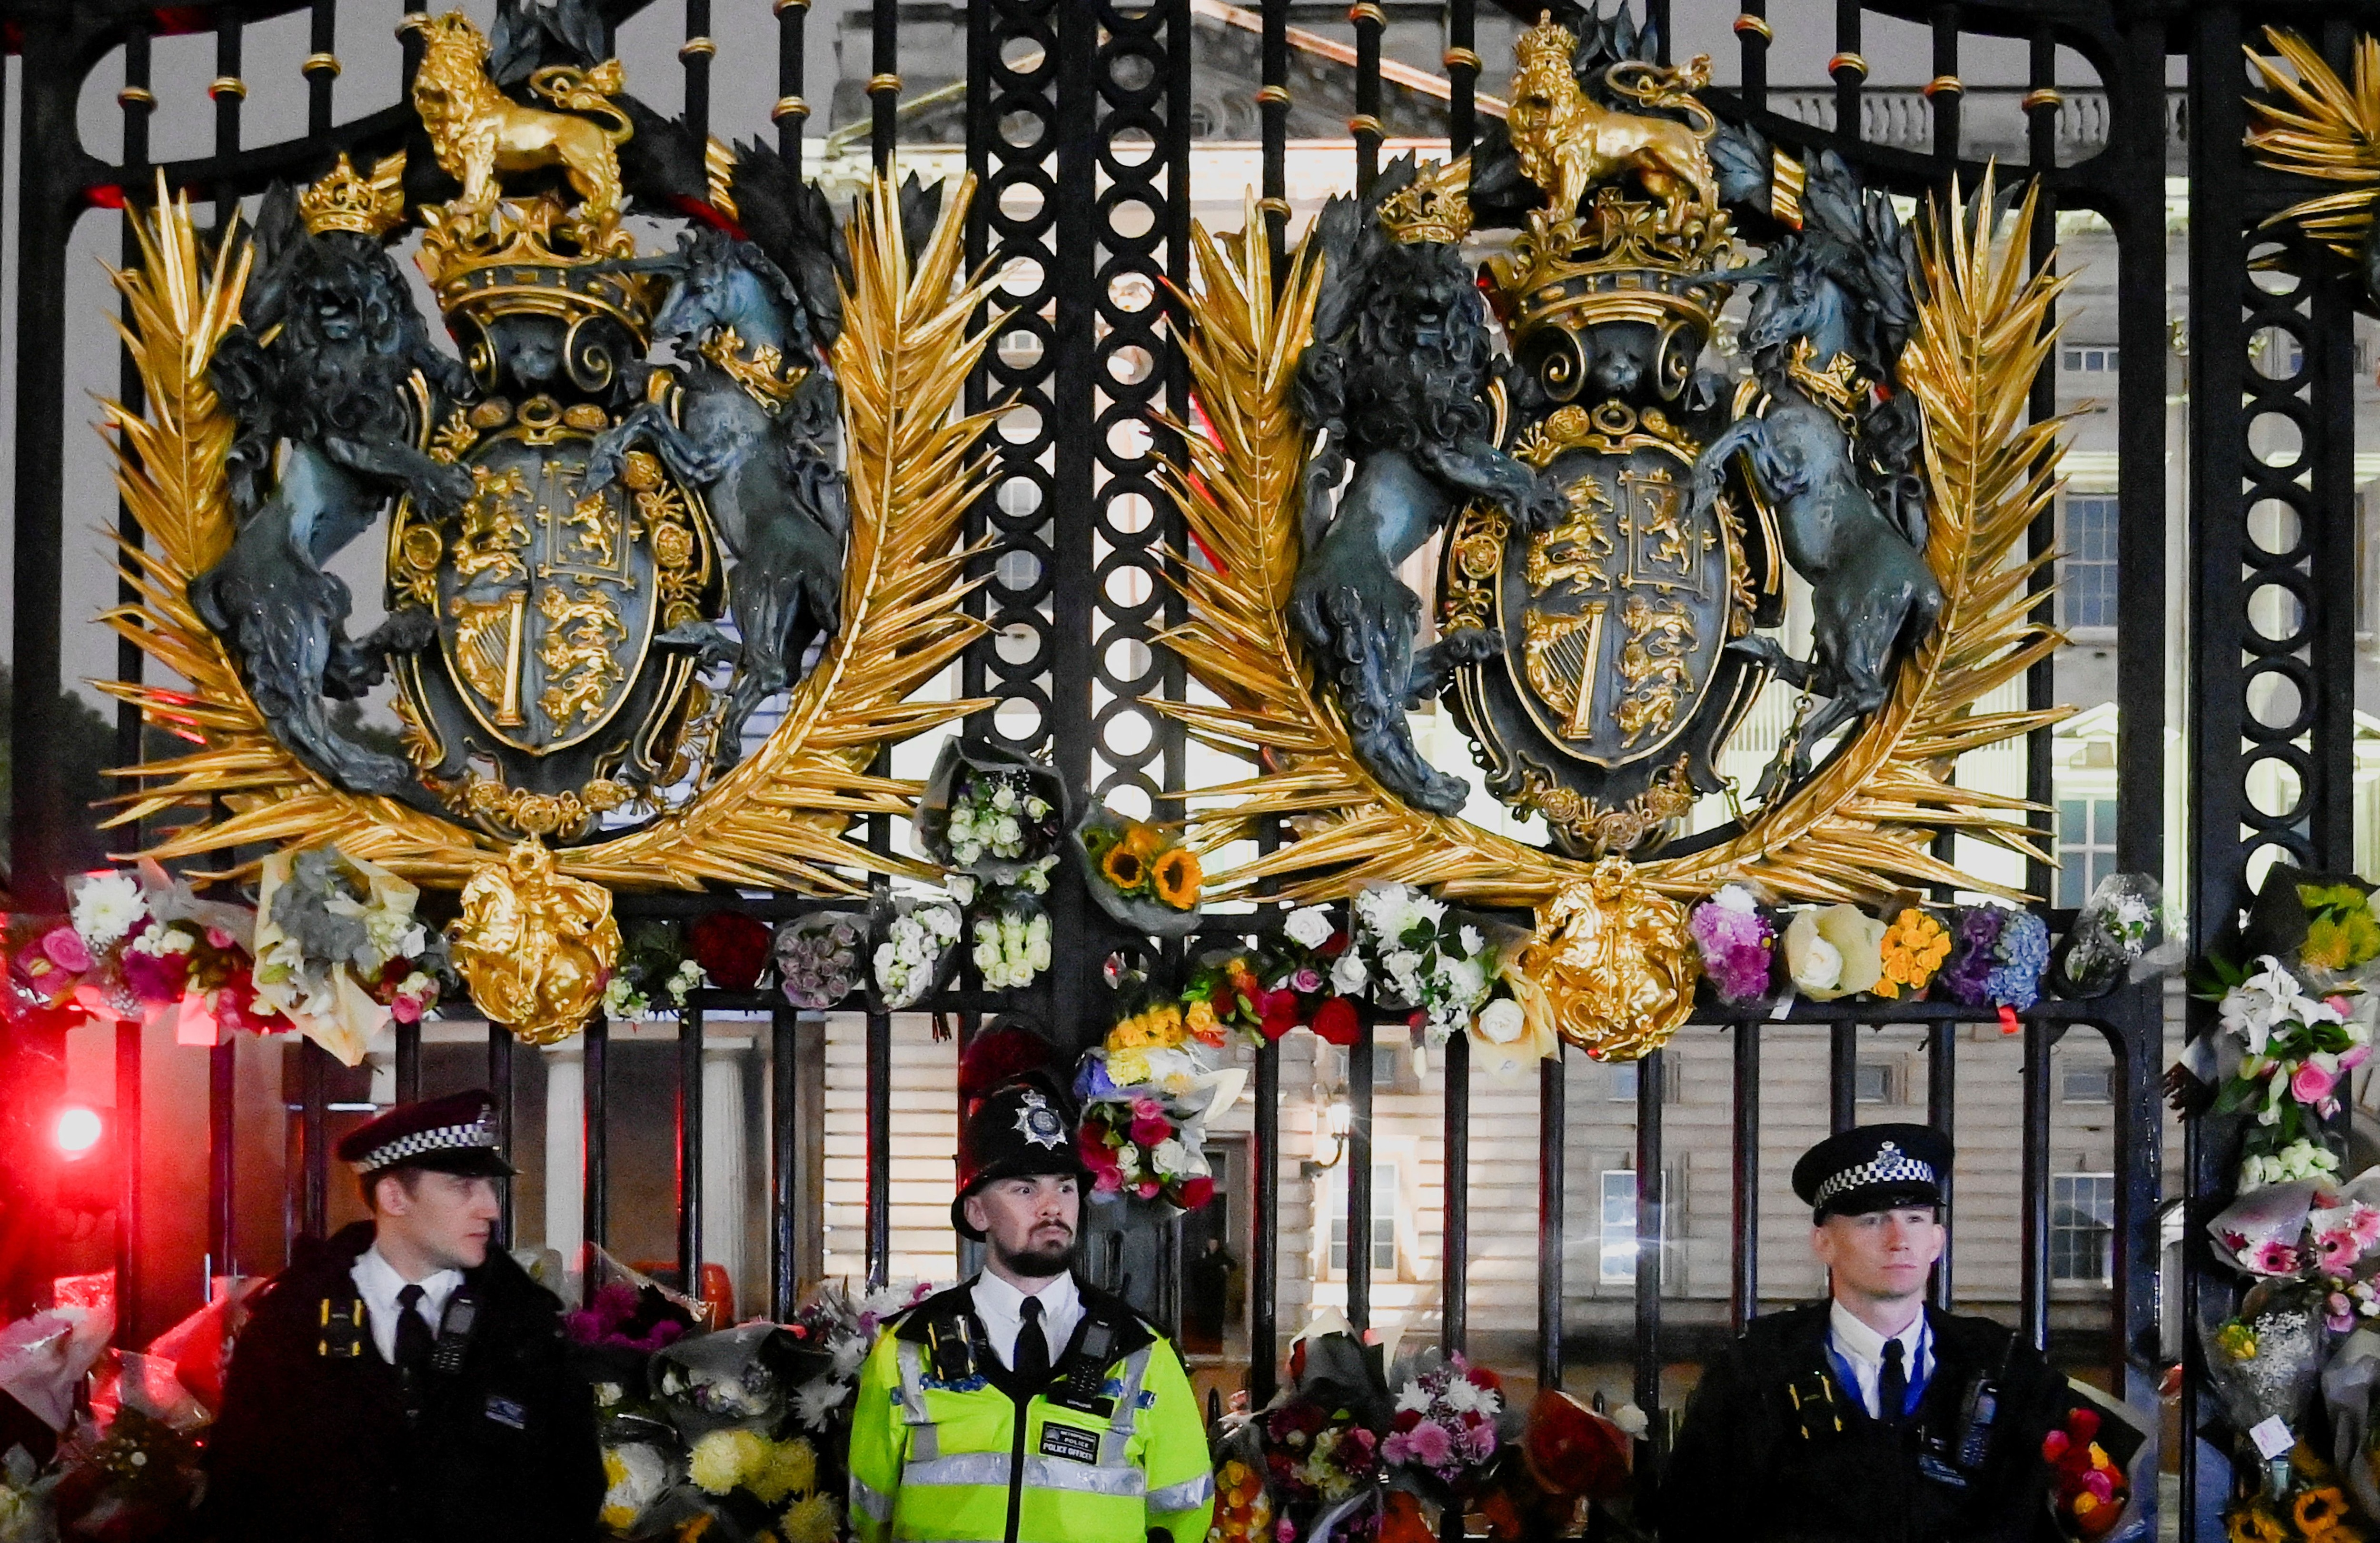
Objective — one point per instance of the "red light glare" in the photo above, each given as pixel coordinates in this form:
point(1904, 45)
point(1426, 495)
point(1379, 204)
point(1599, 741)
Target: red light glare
point(77, 1131)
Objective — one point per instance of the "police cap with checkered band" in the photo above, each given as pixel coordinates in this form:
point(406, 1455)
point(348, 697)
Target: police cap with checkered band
point(1872, 1168)
point(455, 1133)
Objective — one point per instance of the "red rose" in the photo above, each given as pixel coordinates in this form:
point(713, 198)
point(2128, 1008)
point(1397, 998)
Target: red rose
point(1333, 946)
point(731, 947)
point(1483, 1376)
point(1279, 1015)
point(1335, 1023)
point(1408, 1419)
point(2083, 1425)
point(1197, 1192)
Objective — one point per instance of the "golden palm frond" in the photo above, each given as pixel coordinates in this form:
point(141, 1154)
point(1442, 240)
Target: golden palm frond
point(782, 817)
point(2317, 125)
point(1858, 829)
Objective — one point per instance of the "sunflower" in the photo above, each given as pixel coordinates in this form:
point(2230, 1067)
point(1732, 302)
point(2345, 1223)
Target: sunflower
point(2318, 1510)
point(1125, 869)
point(1145, 841)
point(1178, 878)
point(2252, 1523)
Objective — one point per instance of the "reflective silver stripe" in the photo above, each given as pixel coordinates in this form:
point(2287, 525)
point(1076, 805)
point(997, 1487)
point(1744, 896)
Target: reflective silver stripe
point(1182, 1496)
point(925, 1445)
point(1041, 1473)
point(1119, 1419)
point(874, 1503)
point(967, 1468)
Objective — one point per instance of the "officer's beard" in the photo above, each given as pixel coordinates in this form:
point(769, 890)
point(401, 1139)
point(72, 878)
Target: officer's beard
point(1038, 1264)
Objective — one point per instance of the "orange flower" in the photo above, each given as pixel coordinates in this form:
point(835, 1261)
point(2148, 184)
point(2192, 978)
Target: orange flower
point(2320, 1509)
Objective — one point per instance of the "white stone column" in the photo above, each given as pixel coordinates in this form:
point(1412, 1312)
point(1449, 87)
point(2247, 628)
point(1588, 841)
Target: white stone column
point(723, 1170)
point(565, 1178)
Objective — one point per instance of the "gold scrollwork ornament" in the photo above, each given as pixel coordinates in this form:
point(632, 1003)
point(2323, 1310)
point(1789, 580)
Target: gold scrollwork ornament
point(1614, 963)
point(536, 947)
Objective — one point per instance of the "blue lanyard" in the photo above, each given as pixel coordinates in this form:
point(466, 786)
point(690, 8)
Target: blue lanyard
point(1920, 1370)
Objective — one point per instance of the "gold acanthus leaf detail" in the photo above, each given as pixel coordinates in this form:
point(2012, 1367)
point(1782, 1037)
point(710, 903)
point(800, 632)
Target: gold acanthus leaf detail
point(1857, 830)
point(781, 818)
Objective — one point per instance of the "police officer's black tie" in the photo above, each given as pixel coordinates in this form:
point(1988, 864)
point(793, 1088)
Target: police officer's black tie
point(1892, 1385)
point(1032, 1346)
point(413, 1336)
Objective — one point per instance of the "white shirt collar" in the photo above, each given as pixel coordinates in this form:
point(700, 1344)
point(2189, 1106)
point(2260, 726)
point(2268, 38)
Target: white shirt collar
point(1857, 1341)
point(378, 1283)
point(1000, 1307)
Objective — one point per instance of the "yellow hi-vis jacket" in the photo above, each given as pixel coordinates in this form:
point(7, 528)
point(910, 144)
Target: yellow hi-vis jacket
point(947, 1448)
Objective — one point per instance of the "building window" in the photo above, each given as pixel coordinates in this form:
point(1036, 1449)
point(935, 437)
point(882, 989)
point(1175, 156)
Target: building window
point(2094, 361)
point(1872, 1082)
point(1623, 1082)
point(1384, 1222)
point(2085, 1084)
point(2083, 1227)
point(1618, 1266)
point(2086, 846)
point(2086, 567)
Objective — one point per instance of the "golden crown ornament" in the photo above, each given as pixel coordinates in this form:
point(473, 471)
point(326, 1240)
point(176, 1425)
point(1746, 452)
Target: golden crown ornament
point(342, 199)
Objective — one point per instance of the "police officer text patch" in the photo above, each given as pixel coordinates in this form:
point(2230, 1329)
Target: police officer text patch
point(1070, 1442)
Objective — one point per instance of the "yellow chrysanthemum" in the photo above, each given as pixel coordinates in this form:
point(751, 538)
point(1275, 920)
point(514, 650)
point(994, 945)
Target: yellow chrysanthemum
point(721, 1460)
point(810, 1519)
point(1177, 877)
point(789, 1468)
point(1127, 1067)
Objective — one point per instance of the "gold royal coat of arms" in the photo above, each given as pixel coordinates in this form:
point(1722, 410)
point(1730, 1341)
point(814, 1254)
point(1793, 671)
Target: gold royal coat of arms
point(599, 568)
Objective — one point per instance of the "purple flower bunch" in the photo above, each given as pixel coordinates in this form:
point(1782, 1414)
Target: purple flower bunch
point(624, 1318)
point(1998, 959)
point(1738, 943)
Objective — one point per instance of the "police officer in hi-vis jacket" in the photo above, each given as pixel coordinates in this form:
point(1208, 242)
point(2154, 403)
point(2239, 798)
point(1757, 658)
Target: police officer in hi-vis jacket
point(1025, 1405)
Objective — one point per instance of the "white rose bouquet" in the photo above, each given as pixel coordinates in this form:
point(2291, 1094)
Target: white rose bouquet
point(1010, 933)
point(917, 944)
point(990, 810)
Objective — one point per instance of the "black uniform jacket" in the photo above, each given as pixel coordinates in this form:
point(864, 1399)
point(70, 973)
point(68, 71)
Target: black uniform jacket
point(314, 1445)
point(1751, 1468)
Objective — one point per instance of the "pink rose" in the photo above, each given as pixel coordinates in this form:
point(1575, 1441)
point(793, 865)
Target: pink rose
point(1307, 979)
point(1107, 1181)
point(2353, 1056)
point(218, 938)
point(1148, 1109)
point(406, 1010)
point(2273, 1257)
point(2312, 1083)
point(1148, 1189)
point(65, 949)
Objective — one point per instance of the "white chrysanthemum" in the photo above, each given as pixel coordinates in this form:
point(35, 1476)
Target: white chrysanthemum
point(106, 906)
point(1415, 1397)
point(1309, 926)
point(1463, 980)
point(816, 1400)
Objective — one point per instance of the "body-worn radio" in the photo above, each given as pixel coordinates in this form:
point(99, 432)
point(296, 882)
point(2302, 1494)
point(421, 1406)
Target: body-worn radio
point(1083, 1374)
point(1958, 1459)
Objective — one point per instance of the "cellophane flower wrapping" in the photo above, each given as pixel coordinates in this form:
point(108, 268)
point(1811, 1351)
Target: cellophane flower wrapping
point(1141, 874)
point(989, 811)
point(1145, 1092)
point(2290, 1053)
point(2118, 935)
point(917, 947)
point(2264, 1362)
point(1738, 943)
point(339, 950)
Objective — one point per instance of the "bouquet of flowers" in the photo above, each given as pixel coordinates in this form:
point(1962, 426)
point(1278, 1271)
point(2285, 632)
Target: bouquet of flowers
point(1146, 1096)
point(916, 951)
point(1443, 1433)
point(1010, 933)
point(1225, 994)
point(141, 948)
point(2264, 1363)
point(990, 810)
point(2088, 1490)
point(1410, 951)
point(1737, 943)
point(1837, 951)
point(2323, 924)
point(653, 969)
point(1141, 876)
point(818, 958)
point(2115, 937)
point(729, 949)
point(339, 950)
point(1916, 943)
point(137, 1480)
point(1996, 959)
point(2293, 1051)
point(832, 1333)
